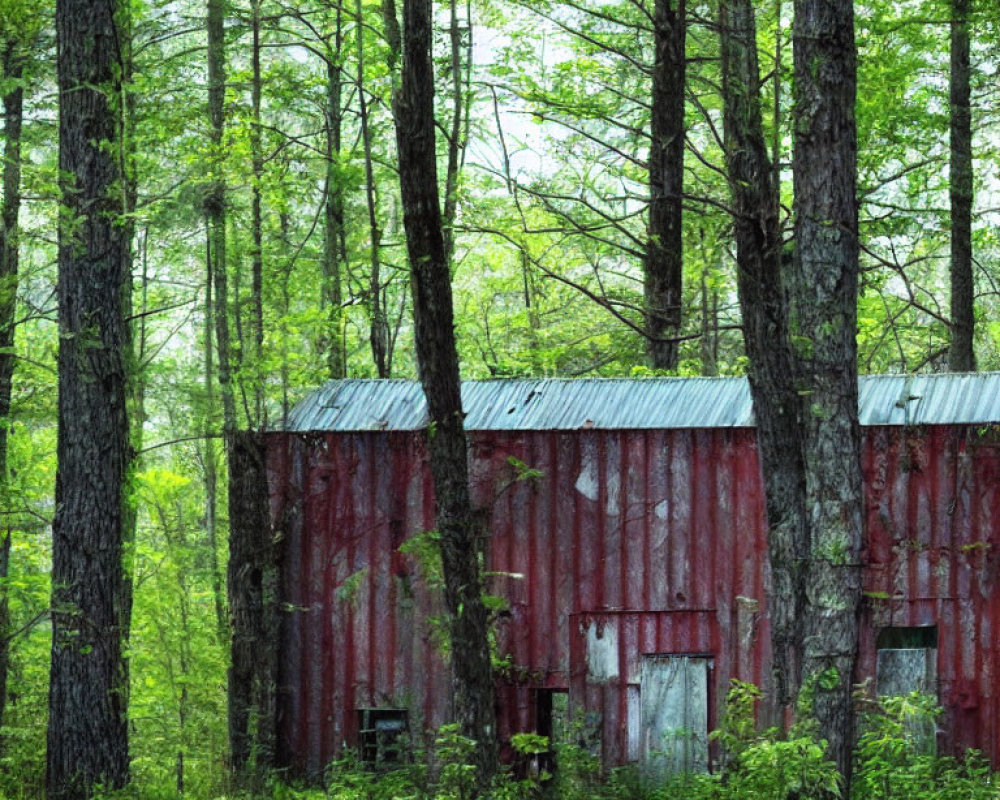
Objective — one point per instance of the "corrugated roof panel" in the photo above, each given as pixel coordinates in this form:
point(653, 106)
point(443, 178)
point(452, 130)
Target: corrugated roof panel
point(633, 403)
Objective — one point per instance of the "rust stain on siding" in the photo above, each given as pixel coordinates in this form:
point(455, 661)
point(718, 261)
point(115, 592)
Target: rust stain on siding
point(617, 544)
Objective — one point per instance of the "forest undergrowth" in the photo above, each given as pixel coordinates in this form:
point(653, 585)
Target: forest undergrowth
point(895, 758)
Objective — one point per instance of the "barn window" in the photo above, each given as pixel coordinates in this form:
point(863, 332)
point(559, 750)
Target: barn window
point(383, 736)
point(673, 713)
point(551, 713)
point(906, 661)
point(551, 717)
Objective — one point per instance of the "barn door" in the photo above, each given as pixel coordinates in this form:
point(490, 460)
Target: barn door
point(673, 694)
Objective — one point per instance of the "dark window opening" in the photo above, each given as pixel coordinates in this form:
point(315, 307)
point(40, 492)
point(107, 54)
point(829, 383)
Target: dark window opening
point(551, 714)
point(923, 637)
point(383, 736)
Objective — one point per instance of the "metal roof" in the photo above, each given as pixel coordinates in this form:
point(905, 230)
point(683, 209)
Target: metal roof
point(633, 403)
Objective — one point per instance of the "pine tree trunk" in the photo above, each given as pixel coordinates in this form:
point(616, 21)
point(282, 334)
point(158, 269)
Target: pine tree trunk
point(665, 249)
point(210, 461)
point(961, 356)
point(334, 241)
point(822, 290)
point(250, 572)
point(457, 139)
point(765, 332)
point(252, 587)
point(256, 224)
point(88, 731)
point(379, 334)
point(13, 106)
point(460, 528)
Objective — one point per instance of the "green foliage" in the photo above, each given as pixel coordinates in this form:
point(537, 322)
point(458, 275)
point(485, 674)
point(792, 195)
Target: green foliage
point(178, 660)
point(522, 472)
point(765, 764)
point(457, 774)
point(547, 278)
point(426, 549)
point(896, 758)
point(349, 779)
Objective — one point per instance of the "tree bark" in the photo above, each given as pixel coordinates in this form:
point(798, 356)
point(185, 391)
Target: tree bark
point(257, 222)
point(961, 356)
point(457, 138)
point(664, 249)
point(765, 331)
point(334, 241)
point(393, 37)
point(459, 527)
point(210, 461)
point(214, 206)
point(10, 207)
point(252, 583)
point(379, 334)
point(822, 290)
point(88, 692)
point(250, 571)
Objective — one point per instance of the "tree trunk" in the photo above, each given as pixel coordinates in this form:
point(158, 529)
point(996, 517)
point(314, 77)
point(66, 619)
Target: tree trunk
point(961, 357)
point(210, 461)
point(457, 138)
point(379, 336)
point(708, 345)
point(664, 248)
point(13, 103)
point(822, 290)
point(765, 332)
point(252, 587)
point(334, 240)
point(393, 37)
point(88, 730)
point(214, 205)
point(250, 571)
point(256, 224)
point(460, 528)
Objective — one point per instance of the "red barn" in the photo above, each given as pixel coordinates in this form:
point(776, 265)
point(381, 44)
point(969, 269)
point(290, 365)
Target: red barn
point(628, 542)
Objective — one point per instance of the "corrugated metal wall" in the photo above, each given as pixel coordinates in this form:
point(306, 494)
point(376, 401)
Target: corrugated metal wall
point(608, 545)
point(933, 520)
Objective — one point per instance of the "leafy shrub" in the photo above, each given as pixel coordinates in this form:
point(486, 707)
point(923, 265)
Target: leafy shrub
point(894, 759)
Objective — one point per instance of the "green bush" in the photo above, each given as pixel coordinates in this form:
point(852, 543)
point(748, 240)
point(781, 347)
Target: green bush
point(896, 758)
point(893, 760)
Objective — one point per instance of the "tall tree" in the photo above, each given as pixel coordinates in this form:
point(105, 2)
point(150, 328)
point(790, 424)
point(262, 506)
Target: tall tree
point(459, 526)
point(334, 228)
point(256, 344)
point(88, 691)
point(12, 57)
point(800, 322)
point(460, 66)
point(823, 296)
point(664, 271)
point(761, 291)
point(379, 335)
point(250, 576)
point(961, 356)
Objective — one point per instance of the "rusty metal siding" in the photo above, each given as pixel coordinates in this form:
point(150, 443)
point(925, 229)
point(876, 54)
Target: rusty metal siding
point(656, 534)
point(357, 622)
point(933, 515)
